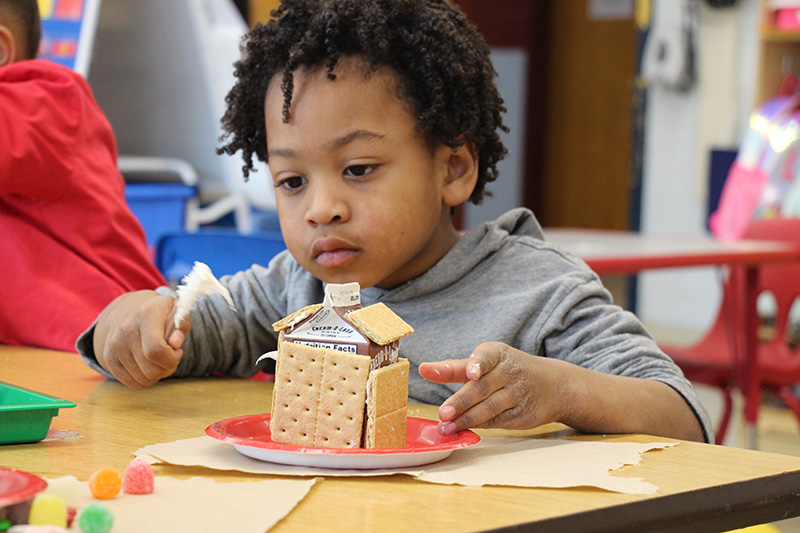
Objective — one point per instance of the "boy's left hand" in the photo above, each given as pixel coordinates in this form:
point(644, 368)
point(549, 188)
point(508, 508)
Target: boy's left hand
point(504, 388)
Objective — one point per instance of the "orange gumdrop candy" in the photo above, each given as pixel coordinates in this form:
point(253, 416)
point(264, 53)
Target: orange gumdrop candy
point(105, 484)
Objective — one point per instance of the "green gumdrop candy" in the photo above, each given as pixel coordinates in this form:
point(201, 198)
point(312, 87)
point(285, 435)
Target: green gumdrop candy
point(96, 518)
point(48, 510)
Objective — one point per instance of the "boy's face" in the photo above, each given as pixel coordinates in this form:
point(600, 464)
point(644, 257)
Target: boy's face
point(359, 195)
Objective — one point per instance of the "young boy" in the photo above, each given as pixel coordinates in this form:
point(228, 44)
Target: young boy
point(377, 118)
point(69, 244)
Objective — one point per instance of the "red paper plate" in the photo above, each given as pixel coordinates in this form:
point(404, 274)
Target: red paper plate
point(17, 486)
point(250, 435)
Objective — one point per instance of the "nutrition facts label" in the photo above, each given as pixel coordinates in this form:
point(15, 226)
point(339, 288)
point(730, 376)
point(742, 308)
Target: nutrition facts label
point(349, 348)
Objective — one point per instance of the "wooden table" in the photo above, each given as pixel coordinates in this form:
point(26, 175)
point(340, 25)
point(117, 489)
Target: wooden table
point(702, 487)
point(622, 252)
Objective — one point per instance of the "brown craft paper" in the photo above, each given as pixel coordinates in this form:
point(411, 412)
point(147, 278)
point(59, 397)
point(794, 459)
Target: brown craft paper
point(518, 462)
point(195, 504)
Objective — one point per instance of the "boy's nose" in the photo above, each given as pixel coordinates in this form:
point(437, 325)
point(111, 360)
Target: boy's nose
point(327, 206)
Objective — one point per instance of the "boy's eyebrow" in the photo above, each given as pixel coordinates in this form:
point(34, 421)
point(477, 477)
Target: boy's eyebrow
point(336, 143)
point(353, 136)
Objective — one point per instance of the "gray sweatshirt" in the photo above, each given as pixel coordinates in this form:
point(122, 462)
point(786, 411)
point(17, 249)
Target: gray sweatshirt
point(500, 282)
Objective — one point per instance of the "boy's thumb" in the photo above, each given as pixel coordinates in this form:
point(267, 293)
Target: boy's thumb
point(176, 338)
point(176, 335)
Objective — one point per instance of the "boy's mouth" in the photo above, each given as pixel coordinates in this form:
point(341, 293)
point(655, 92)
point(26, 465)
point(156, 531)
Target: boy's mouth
point(335, 258)
point(332, 252)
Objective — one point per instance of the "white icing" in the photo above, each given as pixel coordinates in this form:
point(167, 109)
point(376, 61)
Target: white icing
point(269, 355)
point(199, 281)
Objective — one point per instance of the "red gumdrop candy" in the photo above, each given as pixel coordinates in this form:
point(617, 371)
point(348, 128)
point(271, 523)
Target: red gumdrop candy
point(105, 483)
point(138, 478)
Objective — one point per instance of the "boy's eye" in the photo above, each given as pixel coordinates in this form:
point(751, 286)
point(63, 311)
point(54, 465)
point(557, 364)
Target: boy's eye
point(291, 184)
point(359, 171)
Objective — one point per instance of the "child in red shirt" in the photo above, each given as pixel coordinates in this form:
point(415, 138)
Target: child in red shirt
point(69, 244)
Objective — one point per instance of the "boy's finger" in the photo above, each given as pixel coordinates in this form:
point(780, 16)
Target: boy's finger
point(449, 371)
point(157, 366)
point(485, 414)
point(157, 355)
point(176, 336)
point(473, 393)
point(122, 366)
point(150, 367)
point(158, 359)
point(482, 360)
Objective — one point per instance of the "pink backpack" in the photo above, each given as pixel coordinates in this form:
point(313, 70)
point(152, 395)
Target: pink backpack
point(761, 173)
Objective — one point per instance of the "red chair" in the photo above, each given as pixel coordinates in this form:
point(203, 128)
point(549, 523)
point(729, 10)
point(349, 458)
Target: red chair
point(711, 361)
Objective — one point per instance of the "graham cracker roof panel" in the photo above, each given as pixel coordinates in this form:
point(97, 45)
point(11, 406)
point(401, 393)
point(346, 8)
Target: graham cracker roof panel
point(380, 324)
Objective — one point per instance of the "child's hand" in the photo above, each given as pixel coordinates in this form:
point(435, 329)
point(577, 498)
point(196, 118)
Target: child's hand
point(504, 388)
point(134, 339)
point(507, 388)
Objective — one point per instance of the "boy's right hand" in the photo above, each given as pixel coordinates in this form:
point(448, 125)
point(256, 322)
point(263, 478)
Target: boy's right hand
point(134, 338)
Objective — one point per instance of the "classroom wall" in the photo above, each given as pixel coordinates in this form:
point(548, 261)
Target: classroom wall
point(681, 128)
point(511, 65)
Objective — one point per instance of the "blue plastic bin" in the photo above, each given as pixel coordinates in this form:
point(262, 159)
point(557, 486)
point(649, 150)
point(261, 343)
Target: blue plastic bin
point(224, 250)
point(160, 207)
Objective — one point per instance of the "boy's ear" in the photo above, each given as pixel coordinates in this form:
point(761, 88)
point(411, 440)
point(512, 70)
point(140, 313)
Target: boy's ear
point(7, 47)
point(462, 174)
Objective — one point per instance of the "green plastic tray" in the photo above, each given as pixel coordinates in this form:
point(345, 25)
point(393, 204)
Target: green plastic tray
point(25, 415)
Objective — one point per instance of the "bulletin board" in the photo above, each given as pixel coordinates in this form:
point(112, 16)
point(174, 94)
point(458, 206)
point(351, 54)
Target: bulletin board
point(68, 30)
point(260, 10)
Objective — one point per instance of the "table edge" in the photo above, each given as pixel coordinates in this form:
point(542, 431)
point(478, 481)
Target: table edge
point(716, 508)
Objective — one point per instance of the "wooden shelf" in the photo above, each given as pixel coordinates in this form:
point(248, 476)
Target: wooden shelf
point(779, 36)
point(779, 55)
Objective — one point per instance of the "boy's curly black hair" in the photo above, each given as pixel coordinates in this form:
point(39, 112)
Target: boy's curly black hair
point(441, 61)
point(27, 13)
